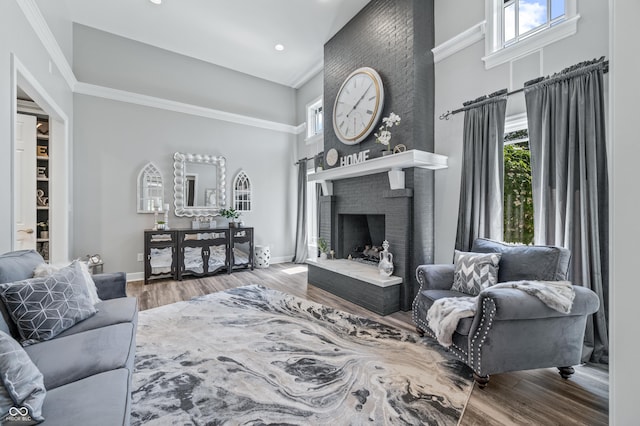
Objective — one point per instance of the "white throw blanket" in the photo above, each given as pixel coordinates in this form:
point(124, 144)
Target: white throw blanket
point(443, 316)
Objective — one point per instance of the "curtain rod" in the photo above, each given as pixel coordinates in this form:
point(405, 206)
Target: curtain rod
point(448, 114)
point(304, 159)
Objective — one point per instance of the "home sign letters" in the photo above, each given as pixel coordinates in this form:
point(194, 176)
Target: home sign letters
point(358, 157)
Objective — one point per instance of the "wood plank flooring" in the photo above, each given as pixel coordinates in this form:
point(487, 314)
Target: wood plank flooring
point(533, 397)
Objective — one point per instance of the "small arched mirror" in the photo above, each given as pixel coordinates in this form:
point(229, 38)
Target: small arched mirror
point(242, 192)
point(150, 189)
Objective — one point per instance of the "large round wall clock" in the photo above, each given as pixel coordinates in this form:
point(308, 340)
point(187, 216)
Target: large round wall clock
point(358, 106)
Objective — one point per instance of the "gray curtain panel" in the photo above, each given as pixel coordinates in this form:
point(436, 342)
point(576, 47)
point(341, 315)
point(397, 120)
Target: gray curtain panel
point(301, 252)
point(570, 186)
point(481, 207)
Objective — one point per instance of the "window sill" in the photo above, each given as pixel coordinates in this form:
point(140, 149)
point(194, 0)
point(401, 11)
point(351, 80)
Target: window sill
point(314, 139)
point(533, 43)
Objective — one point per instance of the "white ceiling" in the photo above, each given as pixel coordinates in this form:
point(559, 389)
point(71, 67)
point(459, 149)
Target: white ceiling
point(237, 34)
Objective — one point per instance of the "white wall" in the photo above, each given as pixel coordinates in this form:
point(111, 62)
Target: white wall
point(18, 38)
point(114, 140)
point(625, 203)
point(462, 77)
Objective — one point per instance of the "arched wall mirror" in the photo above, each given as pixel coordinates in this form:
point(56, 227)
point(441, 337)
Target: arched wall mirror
point(242, 192)
point(150, 189)
point(199, 184)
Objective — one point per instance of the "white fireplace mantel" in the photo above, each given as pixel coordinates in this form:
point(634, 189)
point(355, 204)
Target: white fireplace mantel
point(393, 164)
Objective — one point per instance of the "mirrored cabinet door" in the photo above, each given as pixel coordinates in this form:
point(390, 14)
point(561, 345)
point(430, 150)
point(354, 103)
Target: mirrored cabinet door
point(203, 253)
point(160, 255)
point(242, 247)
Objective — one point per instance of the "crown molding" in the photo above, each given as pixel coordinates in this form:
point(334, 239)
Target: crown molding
point(459, 42)
point(300, 81)
point(169, 105)
point(42, 30)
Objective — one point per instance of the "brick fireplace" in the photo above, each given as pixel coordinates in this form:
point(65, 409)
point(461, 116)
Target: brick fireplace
point(363, 210)
point(395, 38)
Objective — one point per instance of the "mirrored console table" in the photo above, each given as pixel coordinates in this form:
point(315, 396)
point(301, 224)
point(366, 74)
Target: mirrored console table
point(177, 253)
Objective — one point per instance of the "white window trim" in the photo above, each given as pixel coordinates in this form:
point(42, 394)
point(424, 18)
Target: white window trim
point(312, 105)
point(497, 55)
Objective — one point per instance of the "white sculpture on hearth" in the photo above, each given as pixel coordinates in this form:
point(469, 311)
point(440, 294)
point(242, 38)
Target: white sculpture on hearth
point(385, 267)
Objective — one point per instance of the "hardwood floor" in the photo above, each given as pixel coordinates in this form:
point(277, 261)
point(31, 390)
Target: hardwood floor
point(533, 397)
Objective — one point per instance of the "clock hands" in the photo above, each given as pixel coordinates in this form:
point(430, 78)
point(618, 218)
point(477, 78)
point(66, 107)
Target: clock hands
point(359, 100)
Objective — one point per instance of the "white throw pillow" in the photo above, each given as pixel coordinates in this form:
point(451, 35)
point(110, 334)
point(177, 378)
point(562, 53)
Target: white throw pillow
point(45, 269)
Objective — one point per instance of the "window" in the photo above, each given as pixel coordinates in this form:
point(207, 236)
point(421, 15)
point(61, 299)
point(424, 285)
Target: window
point(518, 198)
point(516, 28)
point(242, 192)
point(315, 119)
point(522, 18)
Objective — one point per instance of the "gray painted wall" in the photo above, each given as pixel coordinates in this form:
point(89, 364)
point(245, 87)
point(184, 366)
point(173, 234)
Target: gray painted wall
point(108, 60)
point(115, 140)
point(18, 38)
point(56, 15)
point(462, 77)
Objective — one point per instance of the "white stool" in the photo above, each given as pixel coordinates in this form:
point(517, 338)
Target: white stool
point(262, 256)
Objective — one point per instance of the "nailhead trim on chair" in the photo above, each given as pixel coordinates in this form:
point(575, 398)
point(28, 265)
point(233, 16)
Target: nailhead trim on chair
point(461, 350)
point(417, 320)
point(481, 333)
point(457, 351)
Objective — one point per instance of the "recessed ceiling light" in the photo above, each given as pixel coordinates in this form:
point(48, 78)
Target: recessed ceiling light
point(279, 47)
point(156, 1)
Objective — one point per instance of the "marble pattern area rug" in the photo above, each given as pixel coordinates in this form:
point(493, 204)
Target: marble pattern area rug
point(256, 356)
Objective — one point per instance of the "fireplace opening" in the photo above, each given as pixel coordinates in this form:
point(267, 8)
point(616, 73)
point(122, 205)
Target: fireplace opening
point(361, 236)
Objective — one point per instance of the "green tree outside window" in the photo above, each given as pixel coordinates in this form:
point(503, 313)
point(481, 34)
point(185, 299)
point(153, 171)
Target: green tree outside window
point(518, 199)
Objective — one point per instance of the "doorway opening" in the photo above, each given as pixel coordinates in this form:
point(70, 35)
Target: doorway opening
point(40, 170)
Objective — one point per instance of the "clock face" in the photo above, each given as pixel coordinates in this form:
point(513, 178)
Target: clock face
point(358, 106)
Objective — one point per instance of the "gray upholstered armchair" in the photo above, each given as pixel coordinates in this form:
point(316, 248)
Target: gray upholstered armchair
point(511, 330)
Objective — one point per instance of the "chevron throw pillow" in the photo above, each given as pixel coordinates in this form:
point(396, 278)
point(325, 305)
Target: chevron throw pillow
point(475, 271)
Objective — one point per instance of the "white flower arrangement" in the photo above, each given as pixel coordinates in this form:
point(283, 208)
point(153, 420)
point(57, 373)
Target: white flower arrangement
point(384, 134)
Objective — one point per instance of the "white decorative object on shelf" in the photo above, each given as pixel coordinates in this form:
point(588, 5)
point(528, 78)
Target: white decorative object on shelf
point(383, 136)
point(262, 256)
point(166, 216)
point(385, 267)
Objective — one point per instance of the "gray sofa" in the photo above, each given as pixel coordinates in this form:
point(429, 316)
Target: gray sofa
point(87, 368)
point(511, 329)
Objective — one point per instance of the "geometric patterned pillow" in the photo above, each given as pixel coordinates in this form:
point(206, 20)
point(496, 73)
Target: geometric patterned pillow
point(44, 307)
point(22, 389)
point(474, 272)
point(46, 269)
